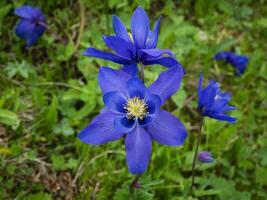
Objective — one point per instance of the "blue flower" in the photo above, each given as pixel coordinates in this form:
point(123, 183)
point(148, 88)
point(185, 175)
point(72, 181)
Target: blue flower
point(239, 62)
point(205, 157)
point(32, 24)
point(214, 103)
point(134, 111)
point(139, 46)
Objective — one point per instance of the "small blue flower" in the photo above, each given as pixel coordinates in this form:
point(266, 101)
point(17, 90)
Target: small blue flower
point(205, 157)
point(32, 24)
point(214, 103)
point(239, 62)
point(139, 46)
point(134, 111)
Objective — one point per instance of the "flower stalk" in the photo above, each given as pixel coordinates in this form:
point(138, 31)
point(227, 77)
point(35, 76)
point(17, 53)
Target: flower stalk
point(142, 72)
point(196, 152)
point(134, 183)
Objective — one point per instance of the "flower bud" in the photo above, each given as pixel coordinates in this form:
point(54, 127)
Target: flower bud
point(205, 157)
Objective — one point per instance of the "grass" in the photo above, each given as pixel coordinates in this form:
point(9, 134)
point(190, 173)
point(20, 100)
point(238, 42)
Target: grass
point(49, 92)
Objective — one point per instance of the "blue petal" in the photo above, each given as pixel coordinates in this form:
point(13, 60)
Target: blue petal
point(29, 31)
point(92, 52)
point(138, 150)
point(167, 83)
point(165, 61)
point(112, 80)
point(219, 103)
point(28, 12)
point(121, 46)
point(221, 55)
point(146, 121)
point(222, 117)
point(123, 124)
point(228, 108)
point(136, 88)
point(152, 39)
point(131, 69)
point(167, 129)
point(115, 101)
point(120, 29)
point(207, 96)
point(150, 53)
point(139, 27)
point(153, 103)
point(38, 31)
point(205, 157)
point(101, 129)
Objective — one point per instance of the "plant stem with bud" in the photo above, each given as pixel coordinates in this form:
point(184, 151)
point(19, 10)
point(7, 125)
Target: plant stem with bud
point(196, 152)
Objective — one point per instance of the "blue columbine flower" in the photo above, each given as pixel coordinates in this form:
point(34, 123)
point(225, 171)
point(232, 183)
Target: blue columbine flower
point(32, 24)
point(239, 62)
point(205, 157)
point(135, 111)
point(214, 103)
point(139, 46)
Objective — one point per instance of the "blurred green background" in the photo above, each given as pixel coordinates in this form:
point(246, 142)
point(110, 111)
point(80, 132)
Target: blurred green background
point(50, 92)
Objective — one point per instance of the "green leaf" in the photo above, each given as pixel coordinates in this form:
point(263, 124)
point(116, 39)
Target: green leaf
point(58, 162)
point(39, 196)
point(9, 118)
point(3, 12)
point(52, 113)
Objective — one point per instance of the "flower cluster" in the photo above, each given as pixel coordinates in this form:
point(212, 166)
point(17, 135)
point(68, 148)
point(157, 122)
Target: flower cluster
point(132, 110)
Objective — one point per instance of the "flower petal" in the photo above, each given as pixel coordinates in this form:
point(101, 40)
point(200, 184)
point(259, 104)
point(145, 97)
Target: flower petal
point(101, 129)
point(136, 88)
point(228, 108)
point(138, 150)
point(29, 31)
point(150, 53)
point(146, 121)
point(139, 27)
point(28, 12)
point(112, 79)
point(167, 129)
point(152, 39)
point(120, 29)
point(131, 69)
point(123, 124)
point(222, 117)
point(92, 52)
point(121, 46)
point(165, 61)
point(221, 55)
point(208, 96)
point(167, 83)
point(153, 103)
point(115, 101)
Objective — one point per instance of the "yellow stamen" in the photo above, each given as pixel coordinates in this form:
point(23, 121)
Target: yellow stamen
point(136, 108)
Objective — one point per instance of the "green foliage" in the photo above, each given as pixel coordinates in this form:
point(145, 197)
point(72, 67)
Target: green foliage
point(48, 93)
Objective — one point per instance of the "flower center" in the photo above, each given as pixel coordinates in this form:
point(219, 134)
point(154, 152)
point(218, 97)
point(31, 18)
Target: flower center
point(136, 108)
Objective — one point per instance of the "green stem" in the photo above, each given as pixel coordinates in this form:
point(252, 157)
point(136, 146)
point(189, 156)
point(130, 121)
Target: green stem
point(196, 152)
point(106, 9)
point(142, 73)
